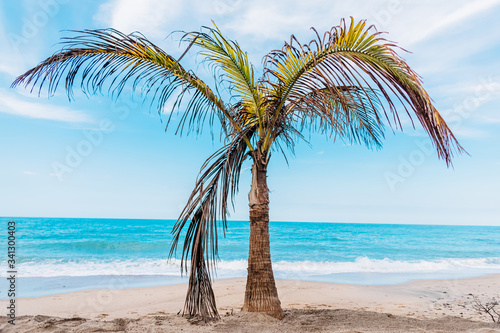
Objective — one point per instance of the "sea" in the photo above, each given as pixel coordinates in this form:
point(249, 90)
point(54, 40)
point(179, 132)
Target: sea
point(59, 255)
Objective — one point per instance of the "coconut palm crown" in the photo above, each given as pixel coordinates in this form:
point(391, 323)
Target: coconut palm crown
point(347, 83)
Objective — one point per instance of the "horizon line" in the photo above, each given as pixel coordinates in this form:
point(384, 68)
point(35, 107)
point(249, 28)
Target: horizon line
point(270, 221)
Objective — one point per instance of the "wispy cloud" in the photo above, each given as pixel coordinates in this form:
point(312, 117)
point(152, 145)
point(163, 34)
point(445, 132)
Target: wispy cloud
point(270, 23)
point(11, 62)
point(261, 19)
point(150, 17)
point(267, 21)
point(455, 17)
point(470, 133)
point(11, 104)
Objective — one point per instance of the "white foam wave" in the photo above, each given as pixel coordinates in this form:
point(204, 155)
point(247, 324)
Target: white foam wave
point(284, 269)
point(367, 265)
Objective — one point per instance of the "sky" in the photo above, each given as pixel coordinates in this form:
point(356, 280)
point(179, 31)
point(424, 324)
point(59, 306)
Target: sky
point(96, 157)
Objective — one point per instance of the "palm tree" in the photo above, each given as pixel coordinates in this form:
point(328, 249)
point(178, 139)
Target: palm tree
point(344, 83)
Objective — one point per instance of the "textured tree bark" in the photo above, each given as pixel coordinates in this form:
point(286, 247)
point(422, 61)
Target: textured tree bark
point(261, 294)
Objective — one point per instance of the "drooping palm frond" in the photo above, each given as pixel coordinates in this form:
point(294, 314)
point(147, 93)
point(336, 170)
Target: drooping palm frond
point(207, 206)
point(354, 56)
point(110, 59)
point(200, 299)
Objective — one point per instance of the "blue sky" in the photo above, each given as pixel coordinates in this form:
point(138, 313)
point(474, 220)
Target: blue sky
point(131, 168)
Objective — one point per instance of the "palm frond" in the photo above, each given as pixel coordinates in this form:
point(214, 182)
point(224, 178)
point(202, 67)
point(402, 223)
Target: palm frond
point(200, 299)
point(110, 59)
point(208, 204)
point(341, 84)
point(350, 115)
point(348, 56)
point(236, 70)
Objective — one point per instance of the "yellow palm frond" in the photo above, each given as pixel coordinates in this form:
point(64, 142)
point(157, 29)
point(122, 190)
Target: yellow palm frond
point(236, 70)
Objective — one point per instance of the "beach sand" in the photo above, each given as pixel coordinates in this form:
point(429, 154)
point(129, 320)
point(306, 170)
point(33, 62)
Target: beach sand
point(419, 306)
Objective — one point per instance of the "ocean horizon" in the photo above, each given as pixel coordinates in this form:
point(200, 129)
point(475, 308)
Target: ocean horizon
point(57, 255)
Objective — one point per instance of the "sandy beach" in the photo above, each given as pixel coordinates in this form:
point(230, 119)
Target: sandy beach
point(419, 306)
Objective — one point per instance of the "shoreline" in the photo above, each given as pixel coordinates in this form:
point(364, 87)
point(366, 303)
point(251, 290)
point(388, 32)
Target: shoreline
point(434, 300)
point(46, 286)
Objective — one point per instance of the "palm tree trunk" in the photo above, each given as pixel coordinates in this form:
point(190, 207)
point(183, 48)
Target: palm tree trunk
point(261, 294)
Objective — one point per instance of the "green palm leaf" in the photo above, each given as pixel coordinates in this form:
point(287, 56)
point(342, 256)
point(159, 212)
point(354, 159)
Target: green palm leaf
point(227, 56)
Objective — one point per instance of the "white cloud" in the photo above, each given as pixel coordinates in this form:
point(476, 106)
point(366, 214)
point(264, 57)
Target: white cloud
point(150, 17)
point(489, 118)
point(11, 104)
point(471, 133)
point(410, 22)
point(473, 101)
point(271, 21)
point(9, 65)
point(11, 62)
point(406, 21)
point(260, 19)
point(461, 14)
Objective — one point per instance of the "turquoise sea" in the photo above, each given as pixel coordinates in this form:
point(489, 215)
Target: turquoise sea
point(66, 254)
